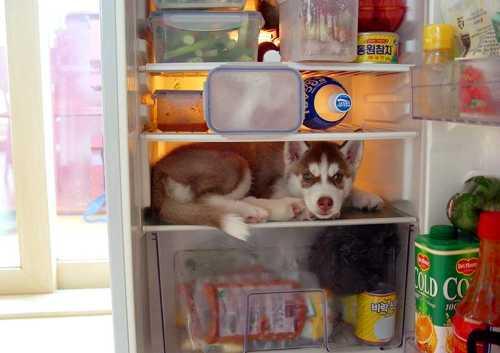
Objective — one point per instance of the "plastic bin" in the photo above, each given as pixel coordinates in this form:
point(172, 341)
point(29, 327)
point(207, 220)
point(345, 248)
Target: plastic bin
point(465, 91)
point(176, 110)
point(200, 4)
point(254, 99)
point(197, 36)
point(319, 30)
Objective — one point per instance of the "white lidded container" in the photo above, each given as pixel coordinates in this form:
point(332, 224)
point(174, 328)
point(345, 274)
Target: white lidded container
point(200, 4)
point(318, 30)
point(205, 36)
point(254, 98)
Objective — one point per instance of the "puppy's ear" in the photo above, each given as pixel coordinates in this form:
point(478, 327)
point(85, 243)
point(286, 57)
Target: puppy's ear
point(353, 153)
point(294, 150)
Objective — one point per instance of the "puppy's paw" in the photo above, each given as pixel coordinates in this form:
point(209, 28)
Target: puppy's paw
point(254, 214)
point(366, 201)
point(287, 209)
point(235, 226)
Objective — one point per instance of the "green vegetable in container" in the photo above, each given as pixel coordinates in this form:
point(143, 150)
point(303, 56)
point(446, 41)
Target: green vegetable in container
point(480, 193)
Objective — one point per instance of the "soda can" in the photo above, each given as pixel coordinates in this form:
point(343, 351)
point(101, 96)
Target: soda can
point(376, 316)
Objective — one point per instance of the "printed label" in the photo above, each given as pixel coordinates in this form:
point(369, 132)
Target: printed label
point(441, 282)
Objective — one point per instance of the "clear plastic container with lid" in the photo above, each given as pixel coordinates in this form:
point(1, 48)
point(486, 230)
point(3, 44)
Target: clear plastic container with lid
point(200, 4)
point(254, 98)
point(198, 36)
point(318, 30)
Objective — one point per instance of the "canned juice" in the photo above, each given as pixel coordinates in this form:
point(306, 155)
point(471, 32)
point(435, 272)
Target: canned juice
point(445, 261)
point(376, 316)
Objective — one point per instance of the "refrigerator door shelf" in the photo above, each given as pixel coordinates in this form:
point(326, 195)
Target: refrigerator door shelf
point(464, 91)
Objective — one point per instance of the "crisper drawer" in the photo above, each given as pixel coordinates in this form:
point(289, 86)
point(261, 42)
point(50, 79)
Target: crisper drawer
point(466, 91)
point(334, 288)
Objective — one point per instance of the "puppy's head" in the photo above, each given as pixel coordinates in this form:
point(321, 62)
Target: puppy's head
point(322, 173)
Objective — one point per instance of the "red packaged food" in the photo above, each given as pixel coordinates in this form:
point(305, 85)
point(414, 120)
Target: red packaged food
point(380, 15)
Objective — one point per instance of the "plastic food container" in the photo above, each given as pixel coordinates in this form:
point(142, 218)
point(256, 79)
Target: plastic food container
point(254, 99)
point(197, 36)
point(176, 110)
point(381, 15)
point(319, 30)
point(200, 4)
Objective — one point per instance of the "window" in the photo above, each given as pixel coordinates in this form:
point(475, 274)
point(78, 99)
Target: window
point(56, 141)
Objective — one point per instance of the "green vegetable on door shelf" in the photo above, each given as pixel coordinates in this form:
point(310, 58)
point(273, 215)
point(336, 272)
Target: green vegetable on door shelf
point(480, 193)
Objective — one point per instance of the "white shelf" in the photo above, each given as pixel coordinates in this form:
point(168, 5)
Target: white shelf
point(313, 66)
point(388, 215)
point(337, 134)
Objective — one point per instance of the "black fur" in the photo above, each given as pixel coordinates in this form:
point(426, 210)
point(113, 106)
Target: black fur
point(353, 259)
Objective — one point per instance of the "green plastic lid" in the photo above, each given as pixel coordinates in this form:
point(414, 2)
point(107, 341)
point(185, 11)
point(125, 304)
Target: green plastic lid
point(445, 237)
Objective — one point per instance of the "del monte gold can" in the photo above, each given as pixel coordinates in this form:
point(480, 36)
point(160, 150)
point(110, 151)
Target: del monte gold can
point(445, 261)
point(378, 47)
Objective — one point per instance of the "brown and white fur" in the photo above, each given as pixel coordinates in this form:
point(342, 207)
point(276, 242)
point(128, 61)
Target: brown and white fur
point(227, 185)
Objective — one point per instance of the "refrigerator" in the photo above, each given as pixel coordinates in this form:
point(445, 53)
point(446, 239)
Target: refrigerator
point(419, 149)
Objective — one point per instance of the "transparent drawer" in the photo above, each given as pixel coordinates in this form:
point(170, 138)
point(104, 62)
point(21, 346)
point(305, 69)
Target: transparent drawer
point(176, 110)
point(292, 289)
point(318, 30)
point(197, 36)
point(463, 91)
point(200, 4)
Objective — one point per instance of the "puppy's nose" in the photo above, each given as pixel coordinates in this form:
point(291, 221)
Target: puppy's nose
point(325, 203)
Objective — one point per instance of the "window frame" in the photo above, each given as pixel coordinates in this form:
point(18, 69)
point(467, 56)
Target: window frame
point(33, 162)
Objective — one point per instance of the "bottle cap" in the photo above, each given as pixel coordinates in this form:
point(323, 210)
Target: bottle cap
point(438, 36)
point(489, 226)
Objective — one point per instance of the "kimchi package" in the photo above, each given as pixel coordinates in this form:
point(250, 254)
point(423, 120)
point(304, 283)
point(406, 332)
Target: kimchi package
point(476, 22)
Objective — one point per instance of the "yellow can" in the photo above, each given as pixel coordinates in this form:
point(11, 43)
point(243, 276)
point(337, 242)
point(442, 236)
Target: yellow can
point(378, 47)
point(376, 316)
point(349, 305)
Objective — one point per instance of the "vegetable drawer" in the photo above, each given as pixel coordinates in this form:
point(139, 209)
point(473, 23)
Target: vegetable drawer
point(197, 36)
point(291, 288)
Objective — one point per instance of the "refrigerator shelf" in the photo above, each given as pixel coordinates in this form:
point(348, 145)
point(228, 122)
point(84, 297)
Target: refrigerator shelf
point(309, 66)
point(388, 215)
point(340, 133)
point(463, 91)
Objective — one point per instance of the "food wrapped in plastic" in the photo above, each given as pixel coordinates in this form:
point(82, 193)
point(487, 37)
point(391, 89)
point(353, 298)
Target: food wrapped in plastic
point(227, 297)
point(318, 30)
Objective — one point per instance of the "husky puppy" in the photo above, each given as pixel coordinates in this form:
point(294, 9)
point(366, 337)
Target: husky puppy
point(227, 185)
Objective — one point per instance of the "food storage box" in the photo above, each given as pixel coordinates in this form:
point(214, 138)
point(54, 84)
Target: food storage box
point(197, 36)
point(254, 99)
point(200, 4)
point(318, 30)
point(176, 110)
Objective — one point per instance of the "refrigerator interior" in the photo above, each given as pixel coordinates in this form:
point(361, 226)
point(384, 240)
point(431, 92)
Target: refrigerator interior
point(416, 173)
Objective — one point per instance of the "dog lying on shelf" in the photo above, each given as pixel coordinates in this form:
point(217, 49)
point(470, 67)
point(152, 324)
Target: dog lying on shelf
point(227, 185)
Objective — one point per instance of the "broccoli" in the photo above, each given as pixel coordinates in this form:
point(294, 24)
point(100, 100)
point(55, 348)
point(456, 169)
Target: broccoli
point(480, 193)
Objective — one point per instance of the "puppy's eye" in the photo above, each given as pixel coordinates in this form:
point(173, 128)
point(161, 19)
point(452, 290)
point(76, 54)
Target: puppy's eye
point(307, 176)
point(337, 178)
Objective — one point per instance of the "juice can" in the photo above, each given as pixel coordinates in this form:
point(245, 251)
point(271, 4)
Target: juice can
point(445, 261)
point(378, 47)
point(376, 316)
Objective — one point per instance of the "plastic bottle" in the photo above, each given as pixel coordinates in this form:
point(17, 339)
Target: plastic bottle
point(479, 311)
point(438, 43)
point(327, 102)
